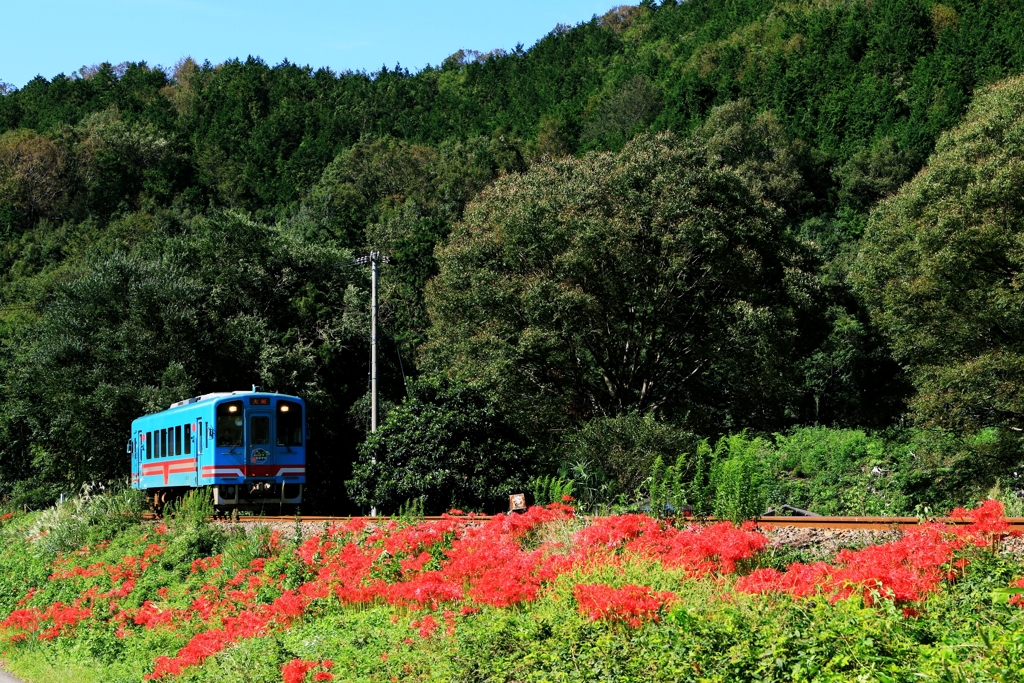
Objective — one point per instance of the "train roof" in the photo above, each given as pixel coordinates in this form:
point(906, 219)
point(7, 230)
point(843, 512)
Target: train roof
point(226, 394)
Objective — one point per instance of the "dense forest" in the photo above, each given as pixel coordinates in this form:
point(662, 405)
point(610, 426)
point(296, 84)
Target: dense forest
point(725, 253)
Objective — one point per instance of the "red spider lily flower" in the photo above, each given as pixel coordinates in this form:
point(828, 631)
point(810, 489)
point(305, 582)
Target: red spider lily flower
point(151, 616)
point(428, 626)
point(905, 570)
point(630, 604)
point(295, 670)
point(1017, 599)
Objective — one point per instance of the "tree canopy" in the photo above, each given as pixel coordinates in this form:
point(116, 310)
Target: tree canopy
point(940, 268)
point(634, 280)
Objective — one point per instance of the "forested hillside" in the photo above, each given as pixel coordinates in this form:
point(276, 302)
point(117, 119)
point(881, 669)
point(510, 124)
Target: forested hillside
point(657, 228)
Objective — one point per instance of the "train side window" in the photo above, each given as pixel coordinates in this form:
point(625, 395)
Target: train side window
point(149, 445)
point(188, 439)
point(289, 423)
point(177, 440)
point(230, 424)
point(163, 443)
point(156, 443)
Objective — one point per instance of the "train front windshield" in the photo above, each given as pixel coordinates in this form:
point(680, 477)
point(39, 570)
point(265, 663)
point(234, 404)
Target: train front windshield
point(289, 423)
point(230, 424)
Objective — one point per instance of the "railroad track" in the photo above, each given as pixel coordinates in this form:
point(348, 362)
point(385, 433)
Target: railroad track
point(872, 523)
point(863, 523)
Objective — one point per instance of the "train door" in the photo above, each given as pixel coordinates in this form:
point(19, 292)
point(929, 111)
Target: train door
point(135, 446)
point(259, 441)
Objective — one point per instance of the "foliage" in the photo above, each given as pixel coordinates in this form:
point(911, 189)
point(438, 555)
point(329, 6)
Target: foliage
point(641, 280)
point(551, 489)
point(86, 518)
point(668, 488)
point(846, 472)
point(938, 268)
point(191, 509)
point(622, 597)
point(446, 444)
point(618, 453)
point(741, 476)
point(829, 472)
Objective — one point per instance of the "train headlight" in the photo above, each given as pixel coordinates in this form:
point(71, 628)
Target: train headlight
point(232, 409)
point(284, 409)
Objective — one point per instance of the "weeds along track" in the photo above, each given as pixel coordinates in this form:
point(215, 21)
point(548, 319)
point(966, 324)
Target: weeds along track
point(846, 523)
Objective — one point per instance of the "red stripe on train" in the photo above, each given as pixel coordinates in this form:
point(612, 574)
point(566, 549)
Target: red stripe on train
point(169, 467)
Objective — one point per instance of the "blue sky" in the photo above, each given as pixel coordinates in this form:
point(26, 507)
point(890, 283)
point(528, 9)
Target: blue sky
point(48, 37)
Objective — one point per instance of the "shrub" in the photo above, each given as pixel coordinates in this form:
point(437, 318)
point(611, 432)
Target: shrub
point(447, 444)
point(667, 487)
point(844, 471)
point(550, 489)
point(89, 517)
point(741, 476)
point(620, 451)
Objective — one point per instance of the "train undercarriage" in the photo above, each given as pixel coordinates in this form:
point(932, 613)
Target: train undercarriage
point(257, 496)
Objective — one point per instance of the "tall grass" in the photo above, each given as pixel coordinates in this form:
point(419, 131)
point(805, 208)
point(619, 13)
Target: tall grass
point(87, 517)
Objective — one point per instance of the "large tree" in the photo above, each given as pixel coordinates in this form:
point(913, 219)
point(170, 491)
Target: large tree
point(942, 267)
point(638, 280)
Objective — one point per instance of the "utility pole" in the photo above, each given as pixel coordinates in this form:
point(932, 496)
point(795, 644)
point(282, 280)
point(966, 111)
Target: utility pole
point(374, 259)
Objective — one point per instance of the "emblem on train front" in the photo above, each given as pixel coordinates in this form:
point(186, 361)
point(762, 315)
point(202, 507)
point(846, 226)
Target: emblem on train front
point(259, 456)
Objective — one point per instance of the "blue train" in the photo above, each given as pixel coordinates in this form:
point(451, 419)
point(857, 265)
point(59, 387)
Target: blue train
point(249, 446)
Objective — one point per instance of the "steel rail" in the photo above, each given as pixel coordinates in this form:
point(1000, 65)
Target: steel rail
point(873, 523)
point(863, 523)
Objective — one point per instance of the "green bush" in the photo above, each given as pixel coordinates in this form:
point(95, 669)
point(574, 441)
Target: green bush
point(742, 476)
point(843, 471)
point(87, 518)
point(549, 489)
point(446, 444)
point(667, 488)
point(610, 458)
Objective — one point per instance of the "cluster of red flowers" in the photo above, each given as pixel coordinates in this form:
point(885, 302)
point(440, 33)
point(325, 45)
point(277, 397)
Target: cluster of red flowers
point(452, 567)
point(58, 618)
point(429, 564)
point(698, 550)
point(905, 570)
point(630, 604)
point(296, 670)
